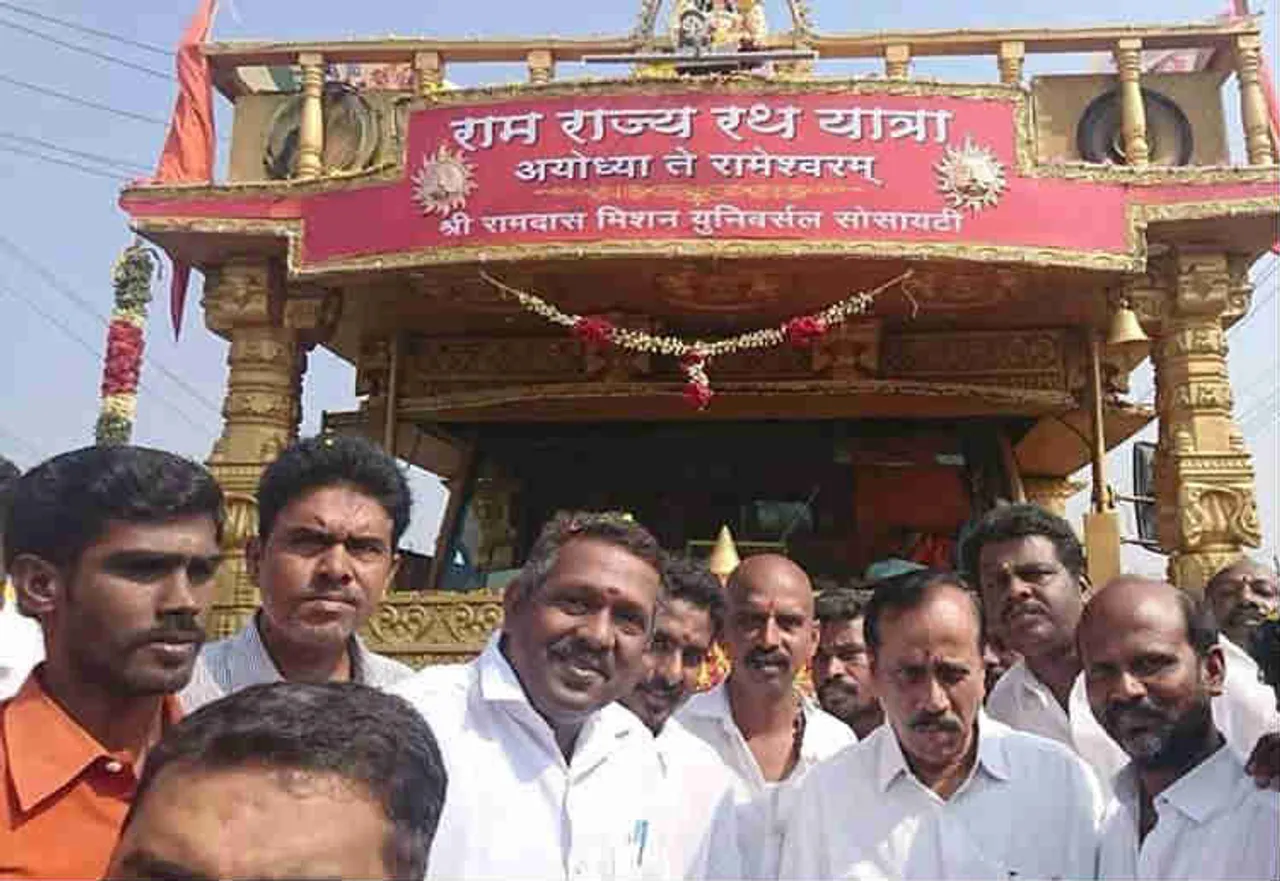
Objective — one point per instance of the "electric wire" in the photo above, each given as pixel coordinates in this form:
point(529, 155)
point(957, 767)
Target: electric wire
point(20, 254)
point(66, 163)
point(85, 29)
point(123, 164)
point(83, 102)
point(85, 50)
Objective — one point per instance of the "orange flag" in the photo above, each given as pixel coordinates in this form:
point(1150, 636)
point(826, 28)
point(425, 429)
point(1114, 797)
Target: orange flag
point(189, 147)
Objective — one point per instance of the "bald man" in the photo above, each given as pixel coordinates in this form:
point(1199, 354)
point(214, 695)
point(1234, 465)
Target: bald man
point(1183, 807)
point(767, 733)
point(1242, 595)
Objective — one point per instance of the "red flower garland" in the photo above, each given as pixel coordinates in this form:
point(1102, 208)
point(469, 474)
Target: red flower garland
point(804, 331)
point(123, 365)
point(698, 395)
point(595, 332)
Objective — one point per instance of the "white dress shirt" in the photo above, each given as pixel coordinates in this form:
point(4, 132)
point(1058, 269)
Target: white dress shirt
point(230, 664)
point(762, 806)
point(703, 788)
point(21, 647)
point(515, 808)
point(1213, 822)
point(1244, 711)
point(1029, 809)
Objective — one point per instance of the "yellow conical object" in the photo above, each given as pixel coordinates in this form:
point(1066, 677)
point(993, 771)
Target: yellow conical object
point(724, 556)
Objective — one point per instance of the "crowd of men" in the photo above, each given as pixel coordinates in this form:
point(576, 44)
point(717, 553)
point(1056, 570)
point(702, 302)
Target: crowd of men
point(1006, 720)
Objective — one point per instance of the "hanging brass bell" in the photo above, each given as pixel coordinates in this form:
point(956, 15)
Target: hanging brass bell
point(1126, 334)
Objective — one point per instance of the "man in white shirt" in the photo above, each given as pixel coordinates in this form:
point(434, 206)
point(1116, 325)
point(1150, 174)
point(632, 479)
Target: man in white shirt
point(765, 731)
point(689, 620)
point(1184, 806)
point(1241, 596)
point(941, 790)
point(549, 777)
point(1029, 567)
point(21, 642)
point(331, 511)
point(841, 666)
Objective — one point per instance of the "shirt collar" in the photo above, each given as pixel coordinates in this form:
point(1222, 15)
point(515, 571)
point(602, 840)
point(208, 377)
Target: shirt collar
point(1209, 787)
point(252, 652)
point(1238, 657)
point(47, 749)
point(891, 763)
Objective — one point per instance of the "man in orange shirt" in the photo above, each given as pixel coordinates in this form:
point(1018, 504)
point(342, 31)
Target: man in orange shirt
point(113, 550)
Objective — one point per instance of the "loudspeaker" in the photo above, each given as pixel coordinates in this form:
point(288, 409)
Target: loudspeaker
point(1077, 118)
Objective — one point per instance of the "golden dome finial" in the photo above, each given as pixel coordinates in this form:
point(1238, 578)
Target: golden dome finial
point(724, 556)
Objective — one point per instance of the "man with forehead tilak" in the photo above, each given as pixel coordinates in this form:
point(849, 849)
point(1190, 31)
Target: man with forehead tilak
point(940, 790)
point(689, 621)
point(763, 729)
point(1184, 806)
point(550, 777)
point(1029, 566)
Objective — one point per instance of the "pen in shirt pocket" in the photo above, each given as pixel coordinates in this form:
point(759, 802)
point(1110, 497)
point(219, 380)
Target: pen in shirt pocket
point(640, 837)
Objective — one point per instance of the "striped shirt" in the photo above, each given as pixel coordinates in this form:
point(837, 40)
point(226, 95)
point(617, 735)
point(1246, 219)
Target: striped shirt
point(239, 661)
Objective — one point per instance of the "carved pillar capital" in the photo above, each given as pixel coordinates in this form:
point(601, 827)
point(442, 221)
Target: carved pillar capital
point(1205, 502)
point(428, 74)
point(542, 66)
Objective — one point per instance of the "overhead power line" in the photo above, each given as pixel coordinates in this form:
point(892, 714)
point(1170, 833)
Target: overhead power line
point(123, 164)
point(83, 102)
point(85, 29)
point(66, 163)
point(21, 255)
point(85, 50)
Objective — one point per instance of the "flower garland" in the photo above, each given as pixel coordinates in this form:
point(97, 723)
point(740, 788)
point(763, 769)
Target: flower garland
point(597, 332)
point(122, 366)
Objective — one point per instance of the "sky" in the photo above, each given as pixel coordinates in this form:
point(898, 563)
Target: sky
point(61, 229)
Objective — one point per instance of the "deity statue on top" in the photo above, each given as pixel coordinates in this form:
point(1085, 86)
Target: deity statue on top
point(699, 26)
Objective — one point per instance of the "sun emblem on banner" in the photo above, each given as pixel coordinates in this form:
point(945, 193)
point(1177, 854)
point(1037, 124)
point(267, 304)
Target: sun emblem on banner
point(970, 177)
point(443, 182)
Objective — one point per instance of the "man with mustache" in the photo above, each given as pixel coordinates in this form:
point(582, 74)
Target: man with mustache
point(331, 512)
point(1029, 567)
point(113, 550)
point(689, 621)
point(551, 778)
point(1184, 806)
point(840, 667)
point(761, 726)
point(1241, 596)
point(942, 790)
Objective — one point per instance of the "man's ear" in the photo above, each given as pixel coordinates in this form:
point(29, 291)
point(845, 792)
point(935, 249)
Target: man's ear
point(39, 585)
point(1213, 666)
point(253, 558)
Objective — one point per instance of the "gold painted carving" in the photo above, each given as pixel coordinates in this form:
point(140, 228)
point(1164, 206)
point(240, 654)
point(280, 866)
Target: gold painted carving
point(897, 61)
point(1253, 104)
point(1021, 359)
point(1051, 493)
point(311, 125)
point(418, 627)
point(542, 67)
point(1010, 59)
point(1133, 114)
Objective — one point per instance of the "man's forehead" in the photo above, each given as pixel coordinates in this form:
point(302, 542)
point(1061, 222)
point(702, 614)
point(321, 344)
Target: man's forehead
point(195, 535)
point(335, 507)
point(996, 555)
point(847, 632)
point(680, 614)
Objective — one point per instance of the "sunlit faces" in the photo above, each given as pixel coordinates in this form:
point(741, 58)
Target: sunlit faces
point(577, 643)
point(253, 822)
point(842, 672)
point(1030, 599)
point(1241, 597)
point(125, 614)
point(770, 632)
point(928, 673)
point(682, 636)
point(1146, 684)
point(325, 566)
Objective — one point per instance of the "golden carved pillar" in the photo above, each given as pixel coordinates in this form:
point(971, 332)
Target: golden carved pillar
point(1253, 105)
point(1206, 507)
point(428, 73)
point(1133, 114)
point(897, 61)
point(492, 506)
point(1009, 58)
point(311, 125)
point(260, 415)
point(542, 66)
point(1051, 493)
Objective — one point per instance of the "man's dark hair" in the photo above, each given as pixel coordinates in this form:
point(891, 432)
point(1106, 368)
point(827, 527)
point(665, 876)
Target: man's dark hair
point(902, 593)
point(334, 460)
point(64, 504)
point(365, 736)
point(840, 604)
point(609, 527)
point(689, 580)
point(1022, 520)
point(9, 474)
